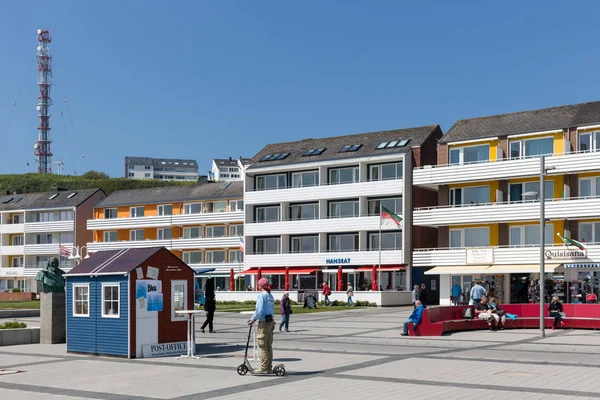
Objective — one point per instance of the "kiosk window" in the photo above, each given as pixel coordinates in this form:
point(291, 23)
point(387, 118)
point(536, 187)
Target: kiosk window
point(178, 300)
point(81, 300)
point(110, 301)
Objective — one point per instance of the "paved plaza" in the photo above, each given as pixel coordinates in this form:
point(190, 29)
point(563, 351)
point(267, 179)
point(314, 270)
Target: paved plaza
point(355, 354)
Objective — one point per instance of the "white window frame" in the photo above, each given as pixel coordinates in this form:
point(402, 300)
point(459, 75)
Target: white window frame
point(187, 208)
point(110, 210)
point(236, 227)
point(593, 239)
point(462, 237)
point(546, 192)
point(462, 197)
point(20, 241)
point(75, 300)
point(212, 261)
point(236, 205)
point(161, 210)
point(523, 143)
point(355, 239)
point(19, 264)
point(355, 175)
point(189, 261)
point(278, 207)
point(301, 174)
point(133, 212)
point(461, 154)
point(374, 236)
point(379, 169)
point(593, 141)
point(593, 186)
point(278, 239)
point(212, 230)
point(549, 226)
point(178, 317)
point(276, 187)
point(161, 232)
point(211, 204)
point(110, 241)
point(187, 232)
point(17, 218)
point(136, 240)
point(230, 258)
point(355, 208)
point(118, 314)
point(299, 239)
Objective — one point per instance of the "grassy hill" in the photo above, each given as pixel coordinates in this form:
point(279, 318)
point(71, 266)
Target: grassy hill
point(31, 183)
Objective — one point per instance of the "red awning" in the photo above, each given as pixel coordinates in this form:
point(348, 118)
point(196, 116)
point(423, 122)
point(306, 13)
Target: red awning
point(383, 268)
point(279, 271)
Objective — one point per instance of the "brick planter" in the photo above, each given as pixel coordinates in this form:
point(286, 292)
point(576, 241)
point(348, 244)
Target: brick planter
point(17, 296)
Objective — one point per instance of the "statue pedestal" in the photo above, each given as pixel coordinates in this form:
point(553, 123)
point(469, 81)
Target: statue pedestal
point(52, 318)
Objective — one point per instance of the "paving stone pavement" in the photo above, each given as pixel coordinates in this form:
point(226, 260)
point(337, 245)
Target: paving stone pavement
point(353, 354)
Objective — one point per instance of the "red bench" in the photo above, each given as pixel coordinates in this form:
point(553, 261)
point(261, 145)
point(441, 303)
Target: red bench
point(438, 320)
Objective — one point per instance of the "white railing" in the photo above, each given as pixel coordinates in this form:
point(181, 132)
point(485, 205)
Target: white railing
point(231, 242)
point(354, 258)
point(12, 228)
point(45, 249)
point(12, 250)
point(165, 221)
point(368, 223)
point(51, 226)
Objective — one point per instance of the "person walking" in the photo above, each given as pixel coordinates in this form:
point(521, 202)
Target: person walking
point(477, 293)
point(414, 318)
point(326, 293)
point(456, 293)
point(210, 305)
point(285, 308)
point(265, 309)
point(415, 296)
point(423, 295)
point(350, 294)
point(555, 310)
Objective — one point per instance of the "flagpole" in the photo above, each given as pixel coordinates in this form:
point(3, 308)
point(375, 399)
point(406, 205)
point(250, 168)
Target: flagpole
point(379, 273)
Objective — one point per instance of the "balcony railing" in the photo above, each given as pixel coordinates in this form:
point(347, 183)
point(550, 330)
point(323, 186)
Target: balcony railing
point(324, 258)
point(364, 223)
point(165, 220)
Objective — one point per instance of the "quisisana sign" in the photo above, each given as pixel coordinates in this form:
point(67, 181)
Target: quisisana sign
point(565, 254)
point(164, 349)
point(337, 261)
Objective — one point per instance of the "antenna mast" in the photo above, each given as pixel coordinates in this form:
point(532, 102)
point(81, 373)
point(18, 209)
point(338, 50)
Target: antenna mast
point(44, 80)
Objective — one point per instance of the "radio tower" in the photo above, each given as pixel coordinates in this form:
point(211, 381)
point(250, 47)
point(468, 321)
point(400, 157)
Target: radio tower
point(42, 146)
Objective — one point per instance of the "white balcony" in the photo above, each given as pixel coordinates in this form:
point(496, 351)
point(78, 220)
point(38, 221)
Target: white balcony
point(348, 190)
point(502, 256)
point(127, 244)
point(12, 228)
point(220, 269)
point(164, 221)
point(356, 258)
point(370, 223)
point(432, 176)
point(12, 250)
point(45, 249)
point(52, 226)
point(175, 244)
point(573, 208)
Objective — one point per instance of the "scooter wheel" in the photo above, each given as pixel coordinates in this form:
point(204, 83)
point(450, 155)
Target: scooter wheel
point(279, 371)
point(242, 369)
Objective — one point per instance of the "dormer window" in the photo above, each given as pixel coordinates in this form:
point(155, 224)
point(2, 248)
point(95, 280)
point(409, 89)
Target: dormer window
point(350, 148)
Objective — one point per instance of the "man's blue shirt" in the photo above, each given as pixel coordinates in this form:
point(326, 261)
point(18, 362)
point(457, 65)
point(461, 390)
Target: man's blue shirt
point(265, 305)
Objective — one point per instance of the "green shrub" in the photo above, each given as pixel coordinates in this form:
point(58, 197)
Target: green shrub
point(15, 290)
point(13, 325)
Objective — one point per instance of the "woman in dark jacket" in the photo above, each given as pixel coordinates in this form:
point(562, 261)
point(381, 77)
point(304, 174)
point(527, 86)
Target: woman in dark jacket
point(555, 310)
point(285, 308)
point(423, 295)
point(210, 304)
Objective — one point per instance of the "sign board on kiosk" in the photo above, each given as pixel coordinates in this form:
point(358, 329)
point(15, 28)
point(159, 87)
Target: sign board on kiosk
point(164, 349)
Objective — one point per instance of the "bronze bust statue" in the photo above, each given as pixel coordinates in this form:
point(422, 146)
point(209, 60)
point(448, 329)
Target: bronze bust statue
point(51, 277)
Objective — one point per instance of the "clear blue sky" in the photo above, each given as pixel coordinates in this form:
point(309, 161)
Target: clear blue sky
point(206, 79)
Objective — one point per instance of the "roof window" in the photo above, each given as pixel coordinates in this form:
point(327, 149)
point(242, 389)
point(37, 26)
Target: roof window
point(313, 152)
point(273, 157)
point(392, 143)
point(18, 200)
point(8, 200)
point(71, 195)
point(350, 148)
point(53, 196)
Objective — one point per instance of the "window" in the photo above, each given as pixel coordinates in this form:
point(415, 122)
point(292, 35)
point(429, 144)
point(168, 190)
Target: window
point(216, 256)
point(589, 141)
point(236, 230)
point(305, 179)
point(271, 182)
point(313, 152)
point(81, 300)
point(393, 143)
point(470, 154)
point(236, 205)
point(192, 257)
point(517, 191)
point(65, 237)
point(147, 175)
point(136, 212)
point(165, 234)
point(305, 244)
point(18, 240)
point(195, 208)
point(343, 209)
point(267, 214)
point(236, 256)
point(350, 148)
point(110, 213)
point(195, 232)
point(469, 237)
point(147, 167)
point(343, 242)
point(274, 157)
point(165, 209)
point(71, 195)
point(178, 300)
point(301, 212)
point(340, 176)
point(389, 241)
point(529, 235)
point(17, 262)
point(131, 166)
point(385, 172)
point(17, 218)
point(531, 147)
point(53, 196)
point(216, 231)
point(267, 245)
point(110, 236)
point(216, 207)
point(42, 261)
point(589, 187)
point(131, 175)
point(589, 232)
point(469, 195)
point(137, 234)
point(45, 238)
point(393, 204)
point(65, 216)
point(110, 301)
point(44, 217)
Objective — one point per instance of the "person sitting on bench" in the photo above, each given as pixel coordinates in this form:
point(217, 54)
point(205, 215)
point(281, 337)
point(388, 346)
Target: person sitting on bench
point(484, 312)
point(414, 318)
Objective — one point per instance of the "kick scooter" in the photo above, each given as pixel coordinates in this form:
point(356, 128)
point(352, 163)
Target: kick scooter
point(243, 369)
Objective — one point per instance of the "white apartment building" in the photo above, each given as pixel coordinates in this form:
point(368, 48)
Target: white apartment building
point(228, 170)
point(314, 205)
point(33, 225)
point(202, 224)
point(488, 217)
point(165, 169)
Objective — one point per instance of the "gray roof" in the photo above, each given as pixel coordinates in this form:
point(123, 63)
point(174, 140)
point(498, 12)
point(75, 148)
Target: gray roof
point(159, 161)
point(369, 142)
point(226, 162)
point(30, 201)
point(171, 194)
point(524, 122)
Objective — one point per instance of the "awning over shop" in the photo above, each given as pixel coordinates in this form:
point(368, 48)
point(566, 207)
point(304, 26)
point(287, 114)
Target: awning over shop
point(458, 270)
point(582, 265)
point(335, 271)
point(521, 269)
point(383, 268)
point(279, 271)
point(200, 271)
